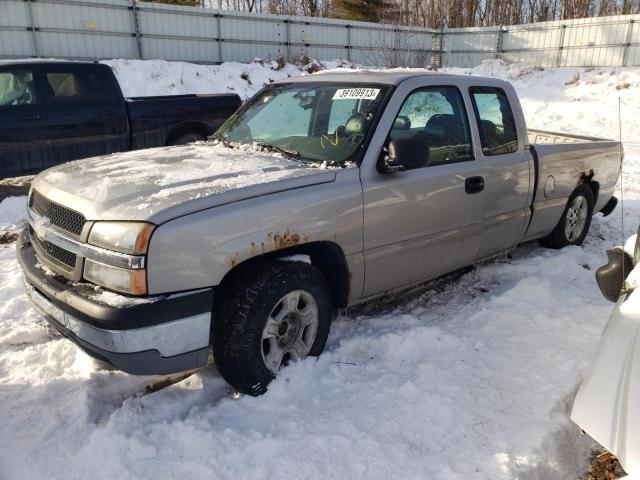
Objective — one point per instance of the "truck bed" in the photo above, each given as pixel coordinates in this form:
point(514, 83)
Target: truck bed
point(153, 118)
point(564, 160)
point(545, 137)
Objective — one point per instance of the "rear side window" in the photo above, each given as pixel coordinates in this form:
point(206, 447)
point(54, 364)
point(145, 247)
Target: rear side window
point(17, 88)
point(437, 116)
point(496, 124)
point(75, 87)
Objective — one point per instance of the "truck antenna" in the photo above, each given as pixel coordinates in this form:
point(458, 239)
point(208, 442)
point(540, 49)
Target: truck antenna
point(621, 172)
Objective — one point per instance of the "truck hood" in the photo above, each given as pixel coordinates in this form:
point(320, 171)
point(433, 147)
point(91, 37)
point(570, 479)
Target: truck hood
point(159, 184)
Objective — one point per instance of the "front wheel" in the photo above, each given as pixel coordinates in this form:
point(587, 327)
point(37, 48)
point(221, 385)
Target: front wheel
point(267, 318)
point(575, 221)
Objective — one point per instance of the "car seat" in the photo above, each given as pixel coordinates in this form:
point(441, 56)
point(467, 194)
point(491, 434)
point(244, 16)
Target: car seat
point(444, 129)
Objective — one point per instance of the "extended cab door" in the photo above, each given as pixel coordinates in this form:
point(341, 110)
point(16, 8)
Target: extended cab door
point(21, 121)
point(85, 111)
point(509, 170)
point(423, 222)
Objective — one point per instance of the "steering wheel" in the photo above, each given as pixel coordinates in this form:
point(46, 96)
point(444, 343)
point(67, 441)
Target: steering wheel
point(23, 99)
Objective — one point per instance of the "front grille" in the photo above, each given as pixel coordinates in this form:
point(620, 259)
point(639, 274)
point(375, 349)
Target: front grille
point(59, 216)
point(55, 253)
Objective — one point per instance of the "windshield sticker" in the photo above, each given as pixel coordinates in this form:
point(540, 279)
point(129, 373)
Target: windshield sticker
point(356, 94)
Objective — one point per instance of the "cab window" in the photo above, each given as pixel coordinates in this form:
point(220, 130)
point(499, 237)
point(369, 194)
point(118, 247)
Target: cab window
point(436, 116)
point(17, 88)
point(496, 124)
point(74, 87)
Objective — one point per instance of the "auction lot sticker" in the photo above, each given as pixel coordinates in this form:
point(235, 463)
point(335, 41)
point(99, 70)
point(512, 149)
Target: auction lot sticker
point(356, 94)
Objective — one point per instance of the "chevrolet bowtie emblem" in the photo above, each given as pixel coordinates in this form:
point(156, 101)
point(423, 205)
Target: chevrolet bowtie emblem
point(40, 227)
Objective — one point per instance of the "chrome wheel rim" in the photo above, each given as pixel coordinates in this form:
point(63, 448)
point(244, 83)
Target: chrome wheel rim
point(290, 329)
point(576, 218)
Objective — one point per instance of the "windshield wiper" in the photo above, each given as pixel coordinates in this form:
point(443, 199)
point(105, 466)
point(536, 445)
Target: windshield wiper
point(264, 145)
point(221, 139)
point(284, 151)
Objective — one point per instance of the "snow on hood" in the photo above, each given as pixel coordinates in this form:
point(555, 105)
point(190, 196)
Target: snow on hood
point(147, 184)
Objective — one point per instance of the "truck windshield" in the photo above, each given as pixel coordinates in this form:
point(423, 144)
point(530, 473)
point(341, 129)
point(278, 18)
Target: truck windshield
point(320, 122)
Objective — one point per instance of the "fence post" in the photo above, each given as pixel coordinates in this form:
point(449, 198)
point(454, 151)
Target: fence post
point(560, 46)
point(136, 27)
point(499, 43)
point(441, 49)
point(219, 26)
point(288, 32)
point(627, 43)
point(32, 29)
point(348, 26)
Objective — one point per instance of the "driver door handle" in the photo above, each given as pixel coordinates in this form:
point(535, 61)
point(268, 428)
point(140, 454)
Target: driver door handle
point(474, 185)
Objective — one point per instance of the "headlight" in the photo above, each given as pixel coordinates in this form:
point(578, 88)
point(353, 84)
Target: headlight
point(124, 237)
point(114, 278)
point(130, 238)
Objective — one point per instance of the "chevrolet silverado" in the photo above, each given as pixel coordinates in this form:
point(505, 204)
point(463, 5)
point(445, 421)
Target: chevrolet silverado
point(321, 192)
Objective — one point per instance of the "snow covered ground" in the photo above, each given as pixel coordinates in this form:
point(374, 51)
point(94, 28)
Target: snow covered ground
point(472, 380)
point(140, 78)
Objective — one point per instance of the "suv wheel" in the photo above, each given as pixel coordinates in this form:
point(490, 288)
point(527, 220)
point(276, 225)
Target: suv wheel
point(575, 221)
point(266, 318)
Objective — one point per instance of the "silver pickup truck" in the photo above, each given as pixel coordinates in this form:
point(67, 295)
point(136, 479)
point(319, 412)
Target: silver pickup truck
point(321, 192)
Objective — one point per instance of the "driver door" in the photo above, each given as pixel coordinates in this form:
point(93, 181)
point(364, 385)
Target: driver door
point(424, 222)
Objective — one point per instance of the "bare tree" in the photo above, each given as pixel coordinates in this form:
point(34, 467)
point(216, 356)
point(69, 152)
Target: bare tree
point(434, 14)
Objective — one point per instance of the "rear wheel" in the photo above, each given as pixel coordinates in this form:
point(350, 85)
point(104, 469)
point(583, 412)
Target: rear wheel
point(267, 318)
point(575, 221)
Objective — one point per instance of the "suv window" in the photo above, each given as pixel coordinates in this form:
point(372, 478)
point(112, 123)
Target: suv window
point(17, 87)
point(496, 124)
point(437, 116)
point(74, 86)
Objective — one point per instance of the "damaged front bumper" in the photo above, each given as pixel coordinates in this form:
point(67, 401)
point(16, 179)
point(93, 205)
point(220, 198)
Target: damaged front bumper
point(159, 335)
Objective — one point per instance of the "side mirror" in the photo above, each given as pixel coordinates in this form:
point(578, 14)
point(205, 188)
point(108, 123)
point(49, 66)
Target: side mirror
point(405, 154)
point(611, 276)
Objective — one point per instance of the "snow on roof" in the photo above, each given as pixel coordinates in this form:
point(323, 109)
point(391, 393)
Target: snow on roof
point(390, 77)
point(20, 61)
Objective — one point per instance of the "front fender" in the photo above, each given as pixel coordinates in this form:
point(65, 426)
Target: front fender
point(237, 250)
point(199, 249)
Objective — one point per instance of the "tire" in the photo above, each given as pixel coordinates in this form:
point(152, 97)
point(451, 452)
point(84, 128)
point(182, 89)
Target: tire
point(187, 138)
point(575, 221)
point(248, 338)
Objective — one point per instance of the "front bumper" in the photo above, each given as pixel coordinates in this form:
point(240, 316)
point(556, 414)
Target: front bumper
point(158, 335)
